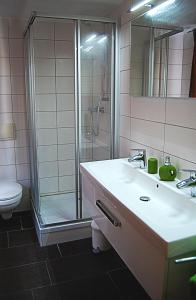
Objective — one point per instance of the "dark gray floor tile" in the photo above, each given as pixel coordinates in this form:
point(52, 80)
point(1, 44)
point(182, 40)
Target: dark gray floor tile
point(128, 285)
point(76, 247)
point(26, 295)
point(23, 278)
point(3, 240)
point(22, 255)
point(78, 266)
point(12, 224)
point(96, 288)
point(24, 237)
point(27, 220)
point(78, 274)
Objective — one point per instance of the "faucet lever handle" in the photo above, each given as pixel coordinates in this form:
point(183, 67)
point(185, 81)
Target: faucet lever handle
point(192, 172)
point(142, 154)
point(139, 150)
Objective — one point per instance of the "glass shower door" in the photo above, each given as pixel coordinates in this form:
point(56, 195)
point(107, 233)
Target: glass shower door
point(96, 52)
point(54, 66)
point(96, 62)
point(70, 67)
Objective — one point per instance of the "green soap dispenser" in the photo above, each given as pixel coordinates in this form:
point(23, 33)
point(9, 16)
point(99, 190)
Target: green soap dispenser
point(167, 172)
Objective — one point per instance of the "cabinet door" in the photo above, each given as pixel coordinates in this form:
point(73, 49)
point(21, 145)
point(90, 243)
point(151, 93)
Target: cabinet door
point(178, 277)
point(143, 259)
point(88, 197)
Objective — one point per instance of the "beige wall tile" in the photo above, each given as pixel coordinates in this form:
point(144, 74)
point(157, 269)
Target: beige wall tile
point(181, 112)
point(148, 133)
point(181, 142)
point(152, 109)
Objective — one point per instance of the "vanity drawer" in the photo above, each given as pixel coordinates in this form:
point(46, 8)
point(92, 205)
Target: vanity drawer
point(131, 246)
point(107, 216)
point(141, 257)
point(88, 197)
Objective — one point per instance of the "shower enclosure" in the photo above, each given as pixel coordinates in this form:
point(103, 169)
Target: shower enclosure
point(71, 105)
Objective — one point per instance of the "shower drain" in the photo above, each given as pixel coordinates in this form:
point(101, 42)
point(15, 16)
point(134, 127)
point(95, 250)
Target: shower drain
point(145, 198)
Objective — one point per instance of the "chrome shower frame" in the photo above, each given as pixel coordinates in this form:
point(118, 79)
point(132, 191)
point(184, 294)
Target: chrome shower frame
point(78, 228)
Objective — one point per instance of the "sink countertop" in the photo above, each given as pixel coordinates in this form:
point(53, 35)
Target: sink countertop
point(170, 221)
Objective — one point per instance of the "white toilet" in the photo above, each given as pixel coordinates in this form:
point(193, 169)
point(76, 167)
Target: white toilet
point(10, 197)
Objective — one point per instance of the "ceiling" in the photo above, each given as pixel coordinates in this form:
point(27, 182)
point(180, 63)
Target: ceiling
point(182, 14)
point(11, 7)
point(19, 8)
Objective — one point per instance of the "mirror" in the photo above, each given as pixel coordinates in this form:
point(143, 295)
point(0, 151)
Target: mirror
point(163, 53)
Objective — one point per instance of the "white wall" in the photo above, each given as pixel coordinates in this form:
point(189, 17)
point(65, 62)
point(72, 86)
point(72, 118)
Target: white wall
point(162, 126)
point(14, 157)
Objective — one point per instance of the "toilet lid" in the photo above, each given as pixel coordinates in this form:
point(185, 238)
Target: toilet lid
point(9, 190)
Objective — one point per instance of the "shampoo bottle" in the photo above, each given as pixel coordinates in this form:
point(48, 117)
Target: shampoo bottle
point(167, 172)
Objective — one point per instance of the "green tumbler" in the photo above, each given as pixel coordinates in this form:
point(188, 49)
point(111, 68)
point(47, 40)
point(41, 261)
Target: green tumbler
point(152, 165)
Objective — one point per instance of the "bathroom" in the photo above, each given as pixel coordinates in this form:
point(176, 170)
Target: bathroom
point(76, 88)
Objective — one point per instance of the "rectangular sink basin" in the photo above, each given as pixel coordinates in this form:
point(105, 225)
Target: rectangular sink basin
point(168, 218)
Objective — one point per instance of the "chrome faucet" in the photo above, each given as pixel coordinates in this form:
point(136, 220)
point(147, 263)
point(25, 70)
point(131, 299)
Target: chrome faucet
point(189, 181)
point(140, 156)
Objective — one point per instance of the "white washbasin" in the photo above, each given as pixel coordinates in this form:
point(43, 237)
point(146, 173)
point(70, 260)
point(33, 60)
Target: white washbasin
point(170, 213)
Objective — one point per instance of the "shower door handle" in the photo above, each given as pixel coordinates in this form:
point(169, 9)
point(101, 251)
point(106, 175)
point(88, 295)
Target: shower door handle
point(108, 214)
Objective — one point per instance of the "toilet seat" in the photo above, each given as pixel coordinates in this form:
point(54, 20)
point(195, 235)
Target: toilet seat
point(10, 197)
point(10, 202)
point(9, 191)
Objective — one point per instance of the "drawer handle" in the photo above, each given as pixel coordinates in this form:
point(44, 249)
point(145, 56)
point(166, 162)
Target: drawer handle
point(185, 260)
point(108, 214)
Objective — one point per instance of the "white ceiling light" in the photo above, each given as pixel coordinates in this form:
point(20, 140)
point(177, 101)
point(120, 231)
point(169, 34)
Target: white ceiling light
point(139, 5)
point(88, 49)
point(160, 8)
point(91, 38)
point(102, 39)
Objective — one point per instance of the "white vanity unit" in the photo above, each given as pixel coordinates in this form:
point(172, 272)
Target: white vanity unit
point(148, 235)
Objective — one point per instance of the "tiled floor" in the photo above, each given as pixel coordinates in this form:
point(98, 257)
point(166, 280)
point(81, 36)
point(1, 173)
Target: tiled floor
point(66, 271)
